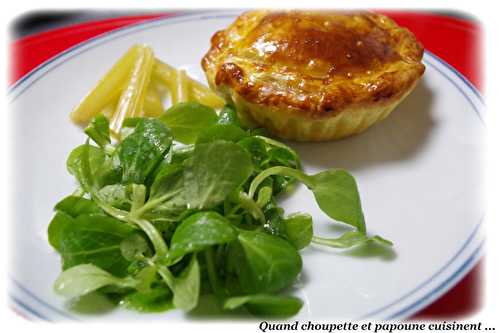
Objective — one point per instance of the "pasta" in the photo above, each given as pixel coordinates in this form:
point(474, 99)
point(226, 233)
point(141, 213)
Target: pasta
point(137, 86)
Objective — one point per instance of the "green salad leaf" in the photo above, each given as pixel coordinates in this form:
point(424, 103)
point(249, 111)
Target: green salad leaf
point(268, 263)
point(187, 120)
point(87, 160)
point(214, 171)
point(117, 195)
point(228, 116)
point(143, 150)
point(59, 222)
point(94, 239)
point(335, 191)
point(98, 130)
point(134, 247)
point(299, 229)
point(75, 205)
point(337, 195)
point(198, 232)
point(83, 279)
point(225, 132)
point(187, 286)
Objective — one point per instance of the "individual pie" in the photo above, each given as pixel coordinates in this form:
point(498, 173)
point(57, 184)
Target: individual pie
point(313, 76)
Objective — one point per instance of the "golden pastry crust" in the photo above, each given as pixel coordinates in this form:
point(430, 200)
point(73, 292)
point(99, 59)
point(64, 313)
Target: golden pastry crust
point(280, 68)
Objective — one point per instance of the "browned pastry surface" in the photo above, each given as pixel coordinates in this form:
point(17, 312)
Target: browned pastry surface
point(316, 62)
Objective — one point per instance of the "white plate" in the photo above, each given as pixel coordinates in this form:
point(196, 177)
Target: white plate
point(419, 173)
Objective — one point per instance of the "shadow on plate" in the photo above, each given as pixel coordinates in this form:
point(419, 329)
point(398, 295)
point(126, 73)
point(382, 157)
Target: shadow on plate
point(338, 228)
point(370, 250)
point(402, 135)
point(91, 304)
point(208, 309)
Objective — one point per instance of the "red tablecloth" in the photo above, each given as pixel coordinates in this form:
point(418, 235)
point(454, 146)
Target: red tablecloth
point(455, 40)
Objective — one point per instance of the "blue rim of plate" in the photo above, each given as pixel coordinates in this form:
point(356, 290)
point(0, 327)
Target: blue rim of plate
point(18, 88)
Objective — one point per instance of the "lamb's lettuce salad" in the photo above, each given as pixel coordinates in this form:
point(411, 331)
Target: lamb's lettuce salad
point(187, 204)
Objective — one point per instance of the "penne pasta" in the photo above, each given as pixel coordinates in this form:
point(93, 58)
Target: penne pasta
point(202, 94)
point(168, 76)
point(106, 90)
point(132, 97)
point(153, 106)
point(136, 86)
point(184, 86)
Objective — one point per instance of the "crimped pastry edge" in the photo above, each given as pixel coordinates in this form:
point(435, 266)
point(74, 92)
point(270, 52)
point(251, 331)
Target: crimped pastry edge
point(297, 127)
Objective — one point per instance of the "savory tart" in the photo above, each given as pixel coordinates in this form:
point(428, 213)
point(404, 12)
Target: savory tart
point(313, 76)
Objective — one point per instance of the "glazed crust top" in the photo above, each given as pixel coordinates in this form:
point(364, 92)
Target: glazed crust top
point(316, 62)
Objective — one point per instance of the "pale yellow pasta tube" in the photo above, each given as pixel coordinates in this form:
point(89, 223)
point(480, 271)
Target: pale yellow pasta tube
point(184, 86)
point(168, 75)
point(110, 109)
point(202, 94)
point(106, 90)
point(132, 98)
point(159, 87)
point(153, 106)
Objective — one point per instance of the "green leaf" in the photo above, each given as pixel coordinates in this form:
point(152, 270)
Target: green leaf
point(251, 207)
point(267, 153)
point(282, 156)
point(74, 206)
point(73, 162)
point(180, 153)
point(128, 127)
point(158, 299)
point(215, 170)
point(256, 147)
point(138, 196)
point(166, 201)
point(86, 162)
point(131, 122)
point(299, 229)
point(116, 195)
point(266, 305)
point(83, 279)
point(224, 132)
point(187, 120)
point(187, 286)
point(146, 277)
point(282, 153)
point(337, 195)
point(275, 224)
point(268, 263)
point(57, 225)
point(228, 116)
point(143, 150)
point(95, 239)
point(335, 191)
point(265, 194)
point(134, 246)
point(92, 167)
point(169, 211)
point(198, 232)
point(98, 130)
point(154, 235)
point(168, 180)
